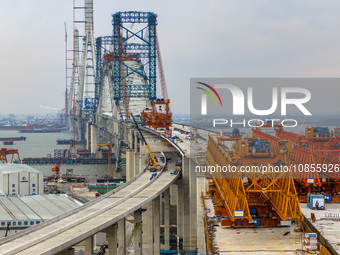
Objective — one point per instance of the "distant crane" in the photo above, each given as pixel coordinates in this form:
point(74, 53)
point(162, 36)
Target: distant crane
point(57, 166)
point(161, 70)
point(42, 122)
point(4, 152)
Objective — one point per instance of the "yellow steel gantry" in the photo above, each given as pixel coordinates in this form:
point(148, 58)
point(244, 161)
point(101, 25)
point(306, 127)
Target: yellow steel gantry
point(234, 196)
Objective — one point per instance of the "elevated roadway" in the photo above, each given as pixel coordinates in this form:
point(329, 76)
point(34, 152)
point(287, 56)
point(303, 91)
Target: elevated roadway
point(71, 228)
point(107, 213)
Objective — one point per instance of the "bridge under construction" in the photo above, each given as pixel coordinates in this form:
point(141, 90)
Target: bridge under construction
point(121, 75)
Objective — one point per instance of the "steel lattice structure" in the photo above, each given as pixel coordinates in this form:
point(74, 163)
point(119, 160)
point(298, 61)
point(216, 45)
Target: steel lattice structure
point(232, 195)
point(144, 49)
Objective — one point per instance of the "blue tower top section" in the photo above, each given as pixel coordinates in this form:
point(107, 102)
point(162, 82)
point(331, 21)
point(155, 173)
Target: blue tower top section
point(134, 43)
point(134, 17)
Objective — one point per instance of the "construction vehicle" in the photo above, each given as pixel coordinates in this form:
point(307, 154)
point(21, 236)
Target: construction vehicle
point(57, 166)
point(153, 163)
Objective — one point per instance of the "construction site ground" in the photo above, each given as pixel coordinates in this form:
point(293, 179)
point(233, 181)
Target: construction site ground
point(253, 240)
point(327, 222)
point(196, 146)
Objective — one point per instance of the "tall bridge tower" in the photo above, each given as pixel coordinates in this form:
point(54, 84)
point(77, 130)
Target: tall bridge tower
point(81, 95)
point(134, 58)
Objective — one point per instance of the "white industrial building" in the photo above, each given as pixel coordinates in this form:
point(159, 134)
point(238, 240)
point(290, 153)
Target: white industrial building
point(20, 212)
point(16, 179)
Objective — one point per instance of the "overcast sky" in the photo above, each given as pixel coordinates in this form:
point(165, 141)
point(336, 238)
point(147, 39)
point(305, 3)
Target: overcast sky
point(215, 38)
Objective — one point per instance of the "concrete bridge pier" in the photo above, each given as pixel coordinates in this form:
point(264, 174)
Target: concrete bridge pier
point(121, 237)
point(200, 187)
point(89, 246)
point(94, 139)
point(166, 219)
point(130, 173)
point(183, 204)
point(138, 242)
point(156, 225)
point(193, 204)
point(88, 136)
point(112, 239)
point(149, 223)
point(137, 154)
point(136, 162)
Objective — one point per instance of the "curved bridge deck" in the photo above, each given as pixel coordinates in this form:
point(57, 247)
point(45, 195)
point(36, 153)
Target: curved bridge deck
point(71, 228)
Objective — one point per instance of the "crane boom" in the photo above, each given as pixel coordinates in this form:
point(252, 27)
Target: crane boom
point(56, 169)
point(153, 163)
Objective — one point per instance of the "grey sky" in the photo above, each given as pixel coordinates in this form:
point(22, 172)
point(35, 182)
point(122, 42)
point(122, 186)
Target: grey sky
point(216, 38)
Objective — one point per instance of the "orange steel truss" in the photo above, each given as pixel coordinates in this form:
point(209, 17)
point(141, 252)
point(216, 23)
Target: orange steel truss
point(332, 143)
point(4, 152)
point(294, 138)
point(295, 155)
point(310, 140)
point(159, 116)
point(232, 194)
point(305, 157)
point(320, 151)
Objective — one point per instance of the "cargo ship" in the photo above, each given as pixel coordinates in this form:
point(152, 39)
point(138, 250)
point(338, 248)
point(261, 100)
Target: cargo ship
point(42, 130)
point(68, 141)
point(10, 140)
point(39, 129)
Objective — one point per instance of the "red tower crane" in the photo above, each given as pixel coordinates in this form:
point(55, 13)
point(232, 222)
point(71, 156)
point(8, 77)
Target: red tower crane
point(57, 166)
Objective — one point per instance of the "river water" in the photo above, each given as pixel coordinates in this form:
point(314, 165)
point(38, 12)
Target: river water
point(44, 144)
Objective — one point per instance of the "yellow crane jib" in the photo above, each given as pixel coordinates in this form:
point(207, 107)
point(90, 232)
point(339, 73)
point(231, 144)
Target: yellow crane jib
point(153, 162)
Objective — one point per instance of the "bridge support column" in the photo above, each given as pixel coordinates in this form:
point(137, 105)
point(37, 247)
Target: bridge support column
point(129, 164)
point(89, 246)
point(156, 225)
point(167, 219)
point(131, 138)
point(94, 141)
point(173, 194)
point(193, 204)
point(136, 134)
point(138, 238)
point(136, 163)
point(180, 205)
point(150, 228)
point(142, 162)
point(200, 222)
point(121, 237)
point(183, 204)
point(112, 239)
point(88, 136)
point(186, 200)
